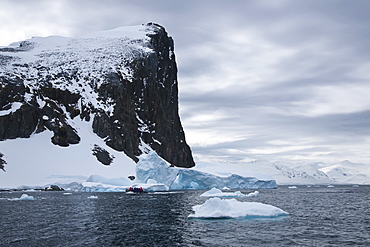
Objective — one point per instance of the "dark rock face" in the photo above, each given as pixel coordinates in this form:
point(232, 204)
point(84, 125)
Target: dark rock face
point(131, 104)
point(102, 155)
point(2, 162)
point(53, 188)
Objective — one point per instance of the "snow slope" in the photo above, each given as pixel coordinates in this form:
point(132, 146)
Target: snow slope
point(43, 163)
point(346, 172)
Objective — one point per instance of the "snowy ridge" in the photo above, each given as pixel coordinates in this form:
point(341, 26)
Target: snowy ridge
point(346, 172)
point(120, 85)
point(85, 60)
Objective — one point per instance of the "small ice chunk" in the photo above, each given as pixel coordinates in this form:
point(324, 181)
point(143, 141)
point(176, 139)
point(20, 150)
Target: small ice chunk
point(24, 197)
point(231, 208)
point(214, 192)
point(253, 194)
point(93, 197)
point(292, 187)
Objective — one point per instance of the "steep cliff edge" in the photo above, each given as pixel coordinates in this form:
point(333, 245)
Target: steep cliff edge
point(122, 81)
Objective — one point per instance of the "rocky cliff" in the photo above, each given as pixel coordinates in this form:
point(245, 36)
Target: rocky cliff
point(123, 82)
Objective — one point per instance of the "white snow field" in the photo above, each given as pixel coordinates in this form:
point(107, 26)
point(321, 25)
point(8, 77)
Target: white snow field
point(37, 162)
point(231, 208)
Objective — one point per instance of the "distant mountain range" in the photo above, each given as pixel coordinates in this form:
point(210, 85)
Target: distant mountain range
point(344, 172)
point(290, 173)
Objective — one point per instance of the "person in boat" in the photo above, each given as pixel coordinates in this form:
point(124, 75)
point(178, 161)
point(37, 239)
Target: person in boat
point(135, 189)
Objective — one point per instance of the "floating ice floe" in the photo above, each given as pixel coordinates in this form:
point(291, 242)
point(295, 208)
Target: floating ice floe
point(24, 197)
point(253, 194)
point(214, 192)
point(231, 208)
point(93, 197)
point(292, 187)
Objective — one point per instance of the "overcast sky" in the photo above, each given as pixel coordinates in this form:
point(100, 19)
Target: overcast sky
point(277, 79)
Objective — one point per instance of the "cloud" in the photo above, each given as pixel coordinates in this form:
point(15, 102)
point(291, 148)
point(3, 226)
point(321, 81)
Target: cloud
point(258, 79)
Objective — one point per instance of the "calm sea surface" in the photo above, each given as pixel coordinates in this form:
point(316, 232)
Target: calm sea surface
point(320, 216)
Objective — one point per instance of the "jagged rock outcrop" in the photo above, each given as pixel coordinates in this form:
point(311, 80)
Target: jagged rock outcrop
point(2, 162)
point(53, 188)
point(123, 81)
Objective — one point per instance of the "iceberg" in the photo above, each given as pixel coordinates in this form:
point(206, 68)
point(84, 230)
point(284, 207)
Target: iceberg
point(214, 192)
point(24, 197)
point(93, 197)
point(155, 174)
point(152, 167)
point(101, 187)
point(215, 208)
point(253, 194)
point(96, 183)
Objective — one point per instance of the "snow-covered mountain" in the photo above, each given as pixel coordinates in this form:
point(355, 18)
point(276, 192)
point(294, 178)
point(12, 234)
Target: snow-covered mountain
point(122, 81)
point(68, 102)
point(347, 172)
point(289, 172)
point(91, 105)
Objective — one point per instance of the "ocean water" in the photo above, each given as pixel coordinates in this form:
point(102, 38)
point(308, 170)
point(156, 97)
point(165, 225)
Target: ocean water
point(319, 216)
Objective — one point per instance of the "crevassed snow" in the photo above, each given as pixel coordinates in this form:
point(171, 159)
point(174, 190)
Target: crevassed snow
point(231, 208)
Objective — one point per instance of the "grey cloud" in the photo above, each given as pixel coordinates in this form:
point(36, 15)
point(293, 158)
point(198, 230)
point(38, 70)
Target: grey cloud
point(247, 64)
